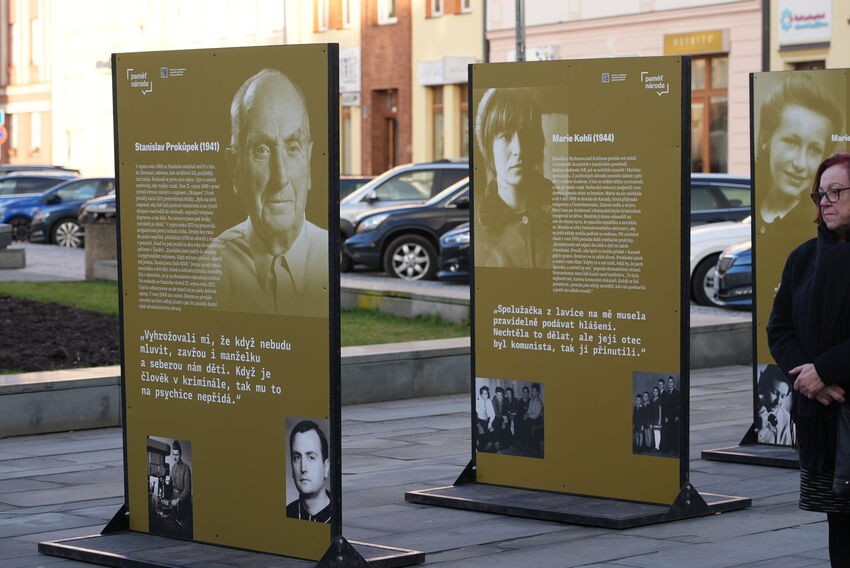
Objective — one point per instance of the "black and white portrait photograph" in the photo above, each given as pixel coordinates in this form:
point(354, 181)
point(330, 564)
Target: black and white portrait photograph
point(773, 417)
point(308, 466)
point(656, 414)
point(275, 260)
point(509, 417)
point(797, 115)
point(513, 214)
point(170, 487)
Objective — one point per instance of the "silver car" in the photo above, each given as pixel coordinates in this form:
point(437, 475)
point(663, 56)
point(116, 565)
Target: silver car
point(411, 183)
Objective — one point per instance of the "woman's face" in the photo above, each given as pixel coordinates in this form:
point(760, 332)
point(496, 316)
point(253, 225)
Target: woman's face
point(836, 215)
point(796, 148)
point(511, 158)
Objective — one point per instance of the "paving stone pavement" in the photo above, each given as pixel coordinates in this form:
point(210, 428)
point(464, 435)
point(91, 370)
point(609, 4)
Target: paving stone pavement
point(70, 484)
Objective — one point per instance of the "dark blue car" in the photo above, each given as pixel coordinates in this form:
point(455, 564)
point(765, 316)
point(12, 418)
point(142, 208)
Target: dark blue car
point(454, 255)
point(52, 216)
point(403, 240)
point(734, 277)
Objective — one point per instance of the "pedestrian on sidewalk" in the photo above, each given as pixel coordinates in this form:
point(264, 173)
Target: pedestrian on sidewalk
point(809, 337)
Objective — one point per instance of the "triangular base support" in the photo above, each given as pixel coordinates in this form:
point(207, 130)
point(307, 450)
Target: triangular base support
point(120, 521)
point(467, 475)
point(341, 554)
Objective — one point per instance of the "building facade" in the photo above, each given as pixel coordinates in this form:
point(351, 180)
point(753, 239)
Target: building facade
point(55, 69)
point(723, 39)
point(448, 36)
point(25, 89)
point(810, 34)
point(403, 75)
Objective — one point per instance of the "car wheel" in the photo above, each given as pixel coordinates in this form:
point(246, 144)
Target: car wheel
point(20, 228)
point(411, 257)
point(702, 282)
point(344, 260)
point(67, 233)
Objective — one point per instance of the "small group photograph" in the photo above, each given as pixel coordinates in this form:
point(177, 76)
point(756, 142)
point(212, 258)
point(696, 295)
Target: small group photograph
point(509, 417)
point(170, 487)
point(308, 464)
point(655, 414)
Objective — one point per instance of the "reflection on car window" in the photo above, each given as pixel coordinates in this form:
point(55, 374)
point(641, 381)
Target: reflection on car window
point(451, 177)
point(26, 185)
point(460, 198)
point(736, 195)
point(702, 198)
point(106, 187)
point(83, 190)
point(416, 186)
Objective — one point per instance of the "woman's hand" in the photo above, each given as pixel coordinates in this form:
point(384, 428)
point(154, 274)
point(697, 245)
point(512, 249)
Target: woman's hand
point(830, 394)
point(808, 382)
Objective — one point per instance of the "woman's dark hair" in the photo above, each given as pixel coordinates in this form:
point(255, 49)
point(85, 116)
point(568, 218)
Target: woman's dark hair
point(836, 159)
point(508, 110)
point(795, 89)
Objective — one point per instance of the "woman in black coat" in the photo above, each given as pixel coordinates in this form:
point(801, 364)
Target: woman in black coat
point(809, 337)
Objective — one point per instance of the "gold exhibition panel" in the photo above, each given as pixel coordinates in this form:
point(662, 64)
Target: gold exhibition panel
point(238, 440)
point(776, 237)
point(588, 398)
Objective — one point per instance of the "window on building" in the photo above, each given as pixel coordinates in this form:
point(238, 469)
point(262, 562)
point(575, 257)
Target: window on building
point(464, 121)
point(438, 143)
point(14, 52)
point(391, 128)
point(346, 140)
point(807, 65)
point(387, 13)
point(709, 113)
point(346, 13)
point(36, 42)
point(434, 8)
point(14, 139)
point(35, 133)
point(321, 15)
point(466, 6)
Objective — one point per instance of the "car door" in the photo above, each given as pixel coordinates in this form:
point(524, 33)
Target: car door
point(707, 204)
point(456, 211)
point(450, 176)
point(78, 192)
point(411, 186)
point(738, 197)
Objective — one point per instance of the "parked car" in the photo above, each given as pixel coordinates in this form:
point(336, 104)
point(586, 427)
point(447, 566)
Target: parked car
point(57, 210)
point(707, 242)
point(453, 265)
point(97, 209)
point(411, 183)
point(9, 168)
point(348, 184)
point(19, 185)
point(403, 240)
point(720, 197)
point(734, 276)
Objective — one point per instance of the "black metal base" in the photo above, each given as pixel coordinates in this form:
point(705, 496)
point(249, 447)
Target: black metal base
point(755, 454)
point(575, 509)
point(750, 451)
point(141, 550)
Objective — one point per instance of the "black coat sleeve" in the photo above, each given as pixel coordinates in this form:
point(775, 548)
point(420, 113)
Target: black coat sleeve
point(833, 365)
point(784, 345)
